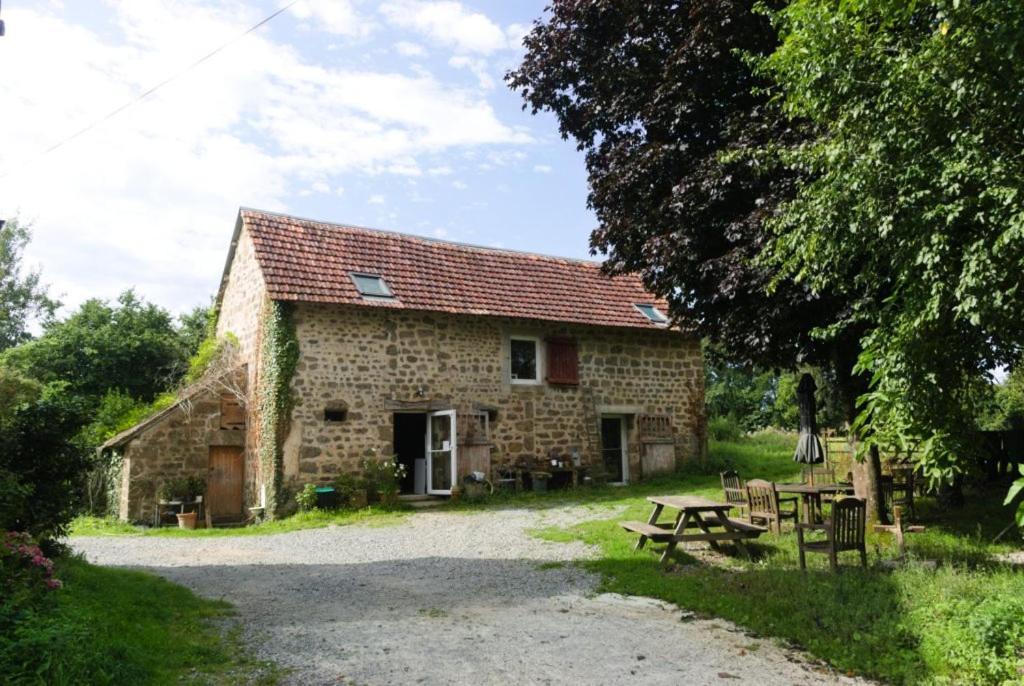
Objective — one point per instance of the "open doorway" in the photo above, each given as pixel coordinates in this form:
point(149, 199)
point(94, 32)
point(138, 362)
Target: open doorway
point(410, 447)
point(614, 450)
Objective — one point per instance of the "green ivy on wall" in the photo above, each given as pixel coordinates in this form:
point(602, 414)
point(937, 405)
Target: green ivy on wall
point(278, 358)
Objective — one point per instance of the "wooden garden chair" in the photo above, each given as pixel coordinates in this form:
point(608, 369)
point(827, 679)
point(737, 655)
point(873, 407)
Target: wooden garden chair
point(735, 492)
point(765, 504)
point(844, 530)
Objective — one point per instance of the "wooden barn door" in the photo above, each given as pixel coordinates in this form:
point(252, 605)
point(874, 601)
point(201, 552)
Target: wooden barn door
point(224, 485)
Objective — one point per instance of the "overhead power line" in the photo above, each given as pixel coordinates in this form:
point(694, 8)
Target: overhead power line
point(145, 94)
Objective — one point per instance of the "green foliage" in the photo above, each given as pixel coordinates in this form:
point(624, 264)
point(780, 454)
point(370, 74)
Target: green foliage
point(196, 326)
point(182, 488)
point(1014, 493)
point(123, 628)
point(22, 295)
point(383, 475)
point(26, 578)
point(208, 353)
point(724, 428)
point(349, 485)
point(42, 467)
point(132, 347)
point(279, 356)
point(306, 498)
point(913, 208)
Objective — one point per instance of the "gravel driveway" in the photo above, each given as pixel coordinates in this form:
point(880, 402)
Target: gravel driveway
point(450, 598)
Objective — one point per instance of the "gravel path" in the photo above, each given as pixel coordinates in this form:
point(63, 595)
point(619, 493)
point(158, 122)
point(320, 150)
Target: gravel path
point(450, 598)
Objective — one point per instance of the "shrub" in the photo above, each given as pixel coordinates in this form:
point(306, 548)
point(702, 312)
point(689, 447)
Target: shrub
point(724, 428)
point(26, 575)
point(383, 475)
point(41, 466)
point(306, 498)
point(347, 486)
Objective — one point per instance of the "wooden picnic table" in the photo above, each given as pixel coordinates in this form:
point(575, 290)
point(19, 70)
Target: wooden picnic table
point(694, 512)
point(811, 494)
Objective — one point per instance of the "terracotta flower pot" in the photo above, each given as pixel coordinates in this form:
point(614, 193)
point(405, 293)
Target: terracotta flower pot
point(187, 520)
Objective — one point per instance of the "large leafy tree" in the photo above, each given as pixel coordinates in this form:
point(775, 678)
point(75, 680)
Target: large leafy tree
point(22, 295)
point(131, 346)
point(914, 208)
point(662, 99)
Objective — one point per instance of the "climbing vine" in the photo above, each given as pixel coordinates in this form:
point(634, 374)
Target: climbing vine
point(279, 356)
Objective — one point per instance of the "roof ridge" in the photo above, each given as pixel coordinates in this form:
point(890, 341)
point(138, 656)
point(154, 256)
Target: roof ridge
point(429, 239)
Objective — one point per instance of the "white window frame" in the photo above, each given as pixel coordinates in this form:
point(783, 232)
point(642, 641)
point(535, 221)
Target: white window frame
point(664, 317)
point(538, 367)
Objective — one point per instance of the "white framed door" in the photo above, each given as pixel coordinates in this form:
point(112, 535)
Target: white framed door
point(441, 452)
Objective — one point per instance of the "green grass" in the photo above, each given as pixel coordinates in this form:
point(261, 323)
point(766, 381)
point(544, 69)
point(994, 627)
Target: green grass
point(959, 623)
point(113, 626)
point(314, 519)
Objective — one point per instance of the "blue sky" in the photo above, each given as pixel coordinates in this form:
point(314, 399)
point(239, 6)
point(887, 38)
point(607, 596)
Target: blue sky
point(387, 114)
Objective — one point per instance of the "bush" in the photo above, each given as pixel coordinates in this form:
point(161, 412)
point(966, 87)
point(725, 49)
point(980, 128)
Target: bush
point(383, 475)
point(183, 488)
point(41, 466)
point(26, 576)
point(724, 428)
point(347, 486)
point(306, 498)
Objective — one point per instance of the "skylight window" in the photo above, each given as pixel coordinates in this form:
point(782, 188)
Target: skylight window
point(371, 285)
point(653, 313)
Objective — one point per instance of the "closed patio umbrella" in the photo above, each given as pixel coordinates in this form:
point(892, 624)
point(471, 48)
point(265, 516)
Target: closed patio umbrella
point(808, 447)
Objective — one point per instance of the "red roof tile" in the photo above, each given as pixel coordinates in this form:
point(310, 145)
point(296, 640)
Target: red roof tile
point(304, 260)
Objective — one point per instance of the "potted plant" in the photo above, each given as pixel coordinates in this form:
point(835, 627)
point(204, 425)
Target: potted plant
point(384, 477)
point(184, 490)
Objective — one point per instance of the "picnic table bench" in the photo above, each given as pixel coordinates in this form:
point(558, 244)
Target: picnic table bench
point(694, 512)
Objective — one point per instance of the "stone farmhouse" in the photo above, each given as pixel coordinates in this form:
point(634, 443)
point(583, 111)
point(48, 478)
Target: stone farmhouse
point(454, 358)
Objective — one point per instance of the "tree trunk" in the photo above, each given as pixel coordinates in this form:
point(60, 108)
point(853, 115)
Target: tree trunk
point(867, 473)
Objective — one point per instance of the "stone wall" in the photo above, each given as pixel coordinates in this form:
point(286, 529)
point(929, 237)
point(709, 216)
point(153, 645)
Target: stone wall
point(176, 444)
point(241, 313)
point(370, 361)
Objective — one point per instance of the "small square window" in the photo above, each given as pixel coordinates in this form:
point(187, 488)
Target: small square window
point(371, 285)
point(524, 360)
point(334, 415)
point(652, 313)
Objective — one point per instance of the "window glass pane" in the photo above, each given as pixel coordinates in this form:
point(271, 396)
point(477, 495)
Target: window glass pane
point(652, 313)
point(524, 359)
point(371, 285)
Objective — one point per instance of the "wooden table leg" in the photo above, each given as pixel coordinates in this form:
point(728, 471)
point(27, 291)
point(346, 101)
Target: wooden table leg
point(679, 530)
point(704, 527)
point(653, 519)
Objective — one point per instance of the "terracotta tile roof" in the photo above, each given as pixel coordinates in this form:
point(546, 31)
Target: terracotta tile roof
point(304, 260)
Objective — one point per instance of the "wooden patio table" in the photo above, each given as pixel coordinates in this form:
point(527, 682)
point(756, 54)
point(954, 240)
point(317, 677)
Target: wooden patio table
point(811, 496)
point(693, 512)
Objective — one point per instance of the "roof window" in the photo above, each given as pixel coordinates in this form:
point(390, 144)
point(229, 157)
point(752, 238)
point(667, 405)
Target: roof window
point(652, 313)
point(371, 285)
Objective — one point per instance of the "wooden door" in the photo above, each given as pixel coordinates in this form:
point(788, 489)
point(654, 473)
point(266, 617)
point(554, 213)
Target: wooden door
point(224, 485)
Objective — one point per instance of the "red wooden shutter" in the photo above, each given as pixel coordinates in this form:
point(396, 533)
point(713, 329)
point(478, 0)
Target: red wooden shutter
point(563, 362)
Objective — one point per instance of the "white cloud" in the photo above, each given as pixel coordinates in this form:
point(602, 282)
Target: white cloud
point(334, 16)
point(478, 67)
point(376, 199)
point(447, 23)
point(542, 168)
point(443, 170)
point(440, 232)
point(407, 49)
point(459, 185)
point(153, 191)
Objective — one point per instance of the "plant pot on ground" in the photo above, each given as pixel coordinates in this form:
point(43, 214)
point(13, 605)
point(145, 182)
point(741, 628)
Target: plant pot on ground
point(186, 520)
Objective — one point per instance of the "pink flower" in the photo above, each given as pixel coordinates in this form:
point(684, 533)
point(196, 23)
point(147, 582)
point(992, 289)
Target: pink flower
point(54, 583)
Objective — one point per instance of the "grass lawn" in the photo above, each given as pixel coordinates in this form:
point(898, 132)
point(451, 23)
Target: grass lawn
point(959, 623)
point(314, 519)
point(113, 626)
